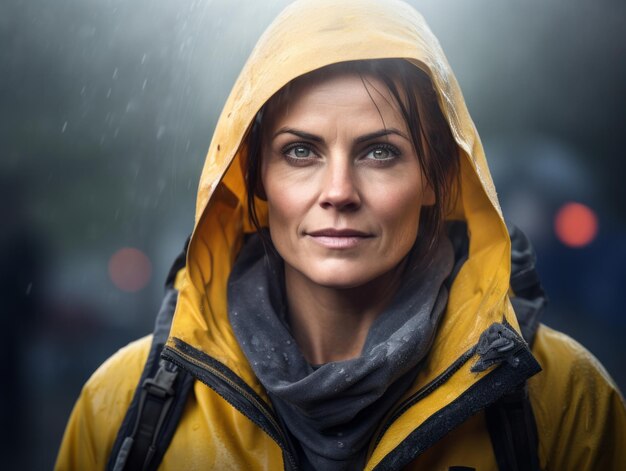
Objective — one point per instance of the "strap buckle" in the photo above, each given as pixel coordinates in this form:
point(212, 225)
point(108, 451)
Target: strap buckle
point(162, 383)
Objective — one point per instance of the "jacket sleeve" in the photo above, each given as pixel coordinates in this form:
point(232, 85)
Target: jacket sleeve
point(100, 409)
point(580, 413)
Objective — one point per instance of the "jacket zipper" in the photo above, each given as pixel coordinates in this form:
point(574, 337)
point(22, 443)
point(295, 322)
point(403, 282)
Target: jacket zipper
point(190, 364)
point(424, 391)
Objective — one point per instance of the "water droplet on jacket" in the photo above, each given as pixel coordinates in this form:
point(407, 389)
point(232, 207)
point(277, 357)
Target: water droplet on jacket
point(340, 444)
point(273, 349)
point(348, 379)
point(288, 342)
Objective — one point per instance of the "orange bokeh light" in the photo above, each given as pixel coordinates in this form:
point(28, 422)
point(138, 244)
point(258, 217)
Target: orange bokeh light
point(576, 225)
point(130, 269)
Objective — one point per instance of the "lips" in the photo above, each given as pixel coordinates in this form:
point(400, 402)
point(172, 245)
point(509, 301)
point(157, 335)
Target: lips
point(339, 238)
point(338, 233)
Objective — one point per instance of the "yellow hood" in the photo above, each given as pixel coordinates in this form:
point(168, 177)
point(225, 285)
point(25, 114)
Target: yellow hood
point(307, 35)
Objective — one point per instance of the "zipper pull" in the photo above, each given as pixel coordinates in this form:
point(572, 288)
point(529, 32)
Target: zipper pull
point(497, 344)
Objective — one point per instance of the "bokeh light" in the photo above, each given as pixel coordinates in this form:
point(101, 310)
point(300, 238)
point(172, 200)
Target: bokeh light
point(130, 269)
point(575, 224)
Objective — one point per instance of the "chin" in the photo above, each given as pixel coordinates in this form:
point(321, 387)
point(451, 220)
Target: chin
point(342, 275)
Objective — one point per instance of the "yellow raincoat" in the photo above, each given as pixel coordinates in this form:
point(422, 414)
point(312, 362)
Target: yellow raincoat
point(579, 412)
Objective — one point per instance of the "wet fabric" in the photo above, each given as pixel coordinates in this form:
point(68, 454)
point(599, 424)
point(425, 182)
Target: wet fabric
point(332, 410)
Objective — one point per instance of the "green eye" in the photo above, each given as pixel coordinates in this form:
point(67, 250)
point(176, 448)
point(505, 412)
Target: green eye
point(298, 152)
point(301, 151)
point(386, 152)
point(380, 154)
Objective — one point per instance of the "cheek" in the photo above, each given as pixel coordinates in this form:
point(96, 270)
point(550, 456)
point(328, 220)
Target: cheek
point(398, 210)
point(286, 203)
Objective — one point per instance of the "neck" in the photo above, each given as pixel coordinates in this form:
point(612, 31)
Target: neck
point(331, 324)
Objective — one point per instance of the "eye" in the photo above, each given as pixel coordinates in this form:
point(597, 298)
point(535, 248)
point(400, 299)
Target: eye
point(382, 152)
point(299, 152)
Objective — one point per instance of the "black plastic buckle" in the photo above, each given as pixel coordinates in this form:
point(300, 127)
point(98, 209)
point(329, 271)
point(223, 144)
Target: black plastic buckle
point(162, 383)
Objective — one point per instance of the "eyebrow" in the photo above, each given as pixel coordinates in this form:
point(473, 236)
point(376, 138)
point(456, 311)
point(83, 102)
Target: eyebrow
point(358, 140)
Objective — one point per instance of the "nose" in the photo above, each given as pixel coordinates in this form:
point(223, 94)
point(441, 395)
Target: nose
point(339, 187)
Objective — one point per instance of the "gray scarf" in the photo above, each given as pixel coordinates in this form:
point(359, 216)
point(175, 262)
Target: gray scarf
point(333, 410)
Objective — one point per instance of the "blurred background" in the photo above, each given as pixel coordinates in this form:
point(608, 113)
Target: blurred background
point(107, 108)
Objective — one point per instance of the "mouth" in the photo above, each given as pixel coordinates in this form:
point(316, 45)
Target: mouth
point(339, 238)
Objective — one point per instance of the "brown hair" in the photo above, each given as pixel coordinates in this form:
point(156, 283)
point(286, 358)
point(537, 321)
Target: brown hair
point(434, 144)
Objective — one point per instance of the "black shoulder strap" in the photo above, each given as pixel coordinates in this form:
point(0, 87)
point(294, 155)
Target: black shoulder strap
point(159, 399)
point(510, 420)
point(513, 432)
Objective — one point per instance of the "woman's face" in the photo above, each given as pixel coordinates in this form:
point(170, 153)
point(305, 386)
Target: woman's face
point(343, 183)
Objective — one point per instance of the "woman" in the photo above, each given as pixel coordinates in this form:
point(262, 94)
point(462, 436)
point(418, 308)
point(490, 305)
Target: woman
point(345, 302)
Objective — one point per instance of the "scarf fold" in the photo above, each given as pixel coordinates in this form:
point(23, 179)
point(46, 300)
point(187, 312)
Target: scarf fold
point(333, 409)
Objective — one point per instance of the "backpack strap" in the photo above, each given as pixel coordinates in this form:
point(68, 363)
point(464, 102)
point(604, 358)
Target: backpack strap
point(513, 432)
point(159, 399)
point(510, 420)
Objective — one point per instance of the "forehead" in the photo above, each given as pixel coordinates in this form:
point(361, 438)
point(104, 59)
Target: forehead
point(338, 94)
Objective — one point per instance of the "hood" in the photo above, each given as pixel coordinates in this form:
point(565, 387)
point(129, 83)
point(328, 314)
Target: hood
point(365, 29)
